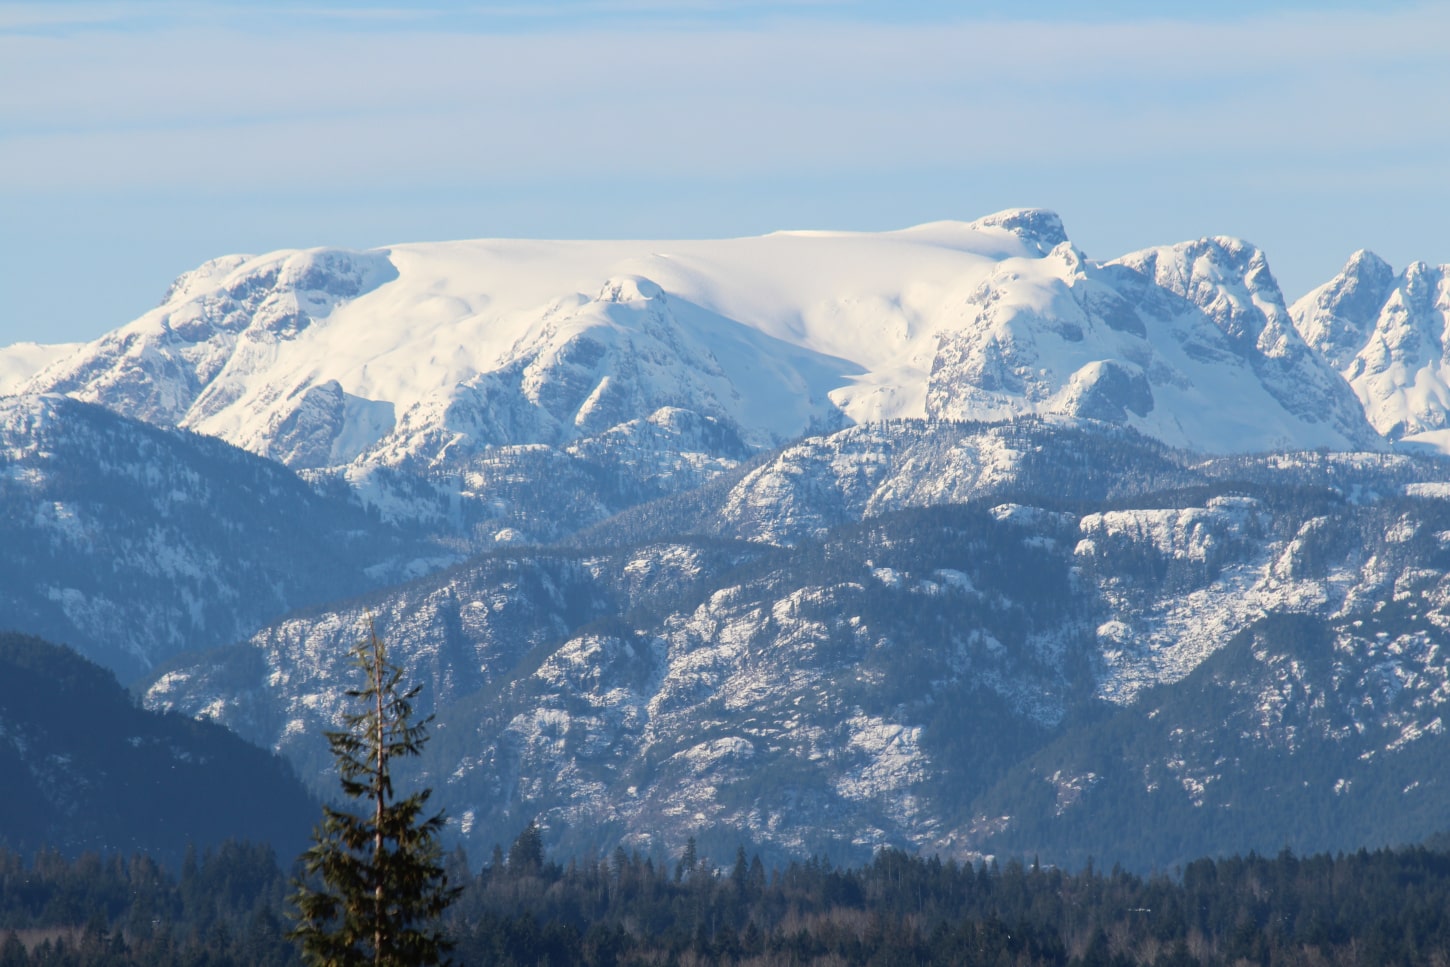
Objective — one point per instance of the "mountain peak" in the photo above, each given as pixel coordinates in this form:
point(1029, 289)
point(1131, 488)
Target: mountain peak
point(205, 277)
point(1036, 226)
point(1227, 277)
point(340, 273)
point(1337, 318)
point(1366, 263)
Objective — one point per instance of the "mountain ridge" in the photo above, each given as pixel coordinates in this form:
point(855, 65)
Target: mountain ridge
point(854, 327)
point(132, 542)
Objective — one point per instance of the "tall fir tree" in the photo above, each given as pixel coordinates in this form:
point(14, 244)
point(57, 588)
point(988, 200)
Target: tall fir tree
point(375, 884)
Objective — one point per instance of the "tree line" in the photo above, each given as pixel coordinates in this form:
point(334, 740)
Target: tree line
point(230, 907)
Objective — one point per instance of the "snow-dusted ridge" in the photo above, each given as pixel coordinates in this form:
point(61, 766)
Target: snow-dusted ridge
point(852, 656)
point(131, 543)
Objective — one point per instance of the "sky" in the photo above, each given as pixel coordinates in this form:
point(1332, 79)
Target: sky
point(139, 139)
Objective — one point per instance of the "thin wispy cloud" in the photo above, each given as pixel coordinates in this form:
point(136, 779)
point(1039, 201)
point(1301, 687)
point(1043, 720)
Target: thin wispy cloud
point(197, 104)
point(61, 16)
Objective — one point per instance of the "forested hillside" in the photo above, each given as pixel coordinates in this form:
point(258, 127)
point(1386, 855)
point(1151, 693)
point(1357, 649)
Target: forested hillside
point(86, 768)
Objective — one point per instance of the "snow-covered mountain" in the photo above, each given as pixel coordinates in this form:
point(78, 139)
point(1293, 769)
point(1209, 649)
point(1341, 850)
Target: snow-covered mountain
point(786, 536)
point(1388, 334)
point(430, 354)
point(1230, 282)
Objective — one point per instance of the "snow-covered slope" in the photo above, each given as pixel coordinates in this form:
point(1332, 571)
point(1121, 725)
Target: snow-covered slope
point(1388, 334)
point(427, 355)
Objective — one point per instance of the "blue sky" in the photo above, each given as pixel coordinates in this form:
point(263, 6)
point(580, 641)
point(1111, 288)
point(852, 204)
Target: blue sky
point(139, 139)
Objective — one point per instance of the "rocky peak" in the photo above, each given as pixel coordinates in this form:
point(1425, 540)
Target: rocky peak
point(1386, 334)
point(1337, 318)
point(1036, 226)
point(1229, 279)
point(203, 278)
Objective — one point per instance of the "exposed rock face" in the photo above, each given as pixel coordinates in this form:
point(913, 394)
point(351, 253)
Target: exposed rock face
point(1337, 318)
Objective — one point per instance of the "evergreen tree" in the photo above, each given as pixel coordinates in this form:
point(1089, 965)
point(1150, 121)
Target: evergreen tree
point(382, 884)
point(12, 952)
point(526, 855)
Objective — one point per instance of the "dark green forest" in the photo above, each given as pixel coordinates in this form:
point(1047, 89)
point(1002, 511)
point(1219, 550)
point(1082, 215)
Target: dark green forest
point(228, 907)
point(86, 768)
